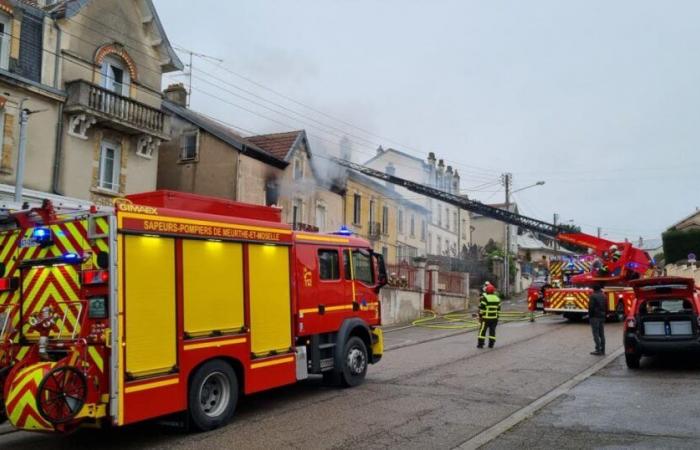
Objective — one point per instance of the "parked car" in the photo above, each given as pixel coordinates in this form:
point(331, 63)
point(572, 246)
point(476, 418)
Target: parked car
point(664, 319)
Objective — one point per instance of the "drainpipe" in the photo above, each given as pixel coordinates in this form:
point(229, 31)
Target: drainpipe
point(58, 154)
point(58, 146)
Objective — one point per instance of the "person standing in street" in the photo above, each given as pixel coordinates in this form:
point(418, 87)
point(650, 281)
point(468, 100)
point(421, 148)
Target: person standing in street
point(596, 317)
point(489, 310)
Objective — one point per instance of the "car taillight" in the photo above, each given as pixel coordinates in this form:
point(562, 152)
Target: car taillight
point(92, 277)
point(631, 324)
point(9, 284)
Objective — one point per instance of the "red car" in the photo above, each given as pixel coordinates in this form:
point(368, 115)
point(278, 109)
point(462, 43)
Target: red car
point(663, 319)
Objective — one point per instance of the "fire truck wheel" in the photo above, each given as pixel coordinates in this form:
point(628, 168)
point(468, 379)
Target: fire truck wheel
point(354, 362)
point(213, 395)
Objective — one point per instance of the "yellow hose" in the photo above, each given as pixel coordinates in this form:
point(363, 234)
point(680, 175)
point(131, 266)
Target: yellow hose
point(466, 320)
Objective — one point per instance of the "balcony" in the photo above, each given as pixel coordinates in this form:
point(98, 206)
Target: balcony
point(374, 231)
point(300, 226)
point(89, 104)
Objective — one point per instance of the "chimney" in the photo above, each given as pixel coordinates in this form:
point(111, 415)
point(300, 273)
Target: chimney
point(390, 170)
point(431, 158)
point(455, 182)
point(380, 150)
point(176, 93)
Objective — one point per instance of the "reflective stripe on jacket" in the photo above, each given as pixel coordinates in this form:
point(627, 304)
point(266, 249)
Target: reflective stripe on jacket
point(490, 306)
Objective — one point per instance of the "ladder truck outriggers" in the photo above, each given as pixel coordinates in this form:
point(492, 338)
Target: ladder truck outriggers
point(174, 303)
point(613, 272)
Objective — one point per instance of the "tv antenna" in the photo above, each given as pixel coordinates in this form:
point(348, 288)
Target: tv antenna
point(189, 68)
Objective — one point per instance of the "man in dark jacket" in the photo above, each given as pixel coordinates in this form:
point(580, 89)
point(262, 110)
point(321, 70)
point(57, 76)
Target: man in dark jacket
point(596, 317)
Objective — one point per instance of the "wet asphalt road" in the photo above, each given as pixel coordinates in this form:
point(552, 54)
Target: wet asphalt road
point(439, 394)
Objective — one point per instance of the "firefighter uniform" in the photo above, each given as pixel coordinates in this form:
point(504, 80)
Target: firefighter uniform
point(489, 310)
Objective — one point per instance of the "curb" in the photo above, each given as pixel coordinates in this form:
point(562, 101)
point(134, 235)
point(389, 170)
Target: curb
point(7, 429)
point(528, 411)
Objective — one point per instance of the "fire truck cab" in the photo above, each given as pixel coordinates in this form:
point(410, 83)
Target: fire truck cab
point(171, 302)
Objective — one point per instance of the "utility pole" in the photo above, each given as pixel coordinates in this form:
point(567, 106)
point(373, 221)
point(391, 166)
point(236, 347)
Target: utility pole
point(507, 182)
point(600, 232)
point(555, 219)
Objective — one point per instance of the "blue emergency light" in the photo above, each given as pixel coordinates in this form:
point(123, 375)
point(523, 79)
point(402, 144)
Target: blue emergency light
point(42, 236)
point(71, 258)
point(344, 231)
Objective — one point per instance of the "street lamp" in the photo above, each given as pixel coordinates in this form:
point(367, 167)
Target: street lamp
point(506, 246)
point(539, 183)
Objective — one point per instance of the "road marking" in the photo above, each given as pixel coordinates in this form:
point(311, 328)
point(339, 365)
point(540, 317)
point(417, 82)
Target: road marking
point(528, 411)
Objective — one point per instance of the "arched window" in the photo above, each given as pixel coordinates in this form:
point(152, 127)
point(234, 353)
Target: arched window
point(115, 75)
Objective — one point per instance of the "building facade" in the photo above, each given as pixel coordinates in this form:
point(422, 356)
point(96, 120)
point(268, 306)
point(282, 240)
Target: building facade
point(207, 158)
point(309, 199)
point(447, 227)
point(485, 229)
point(90, 80)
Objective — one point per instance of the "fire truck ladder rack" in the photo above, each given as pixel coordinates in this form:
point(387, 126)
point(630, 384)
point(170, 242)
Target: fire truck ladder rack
point(462, 202)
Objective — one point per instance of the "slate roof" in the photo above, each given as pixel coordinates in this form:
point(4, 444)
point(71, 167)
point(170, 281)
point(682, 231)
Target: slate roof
point(224, 133)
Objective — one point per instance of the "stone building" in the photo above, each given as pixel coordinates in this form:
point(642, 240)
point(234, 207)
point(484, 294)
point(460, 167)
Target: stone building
point(207, 158)
point(89, 73)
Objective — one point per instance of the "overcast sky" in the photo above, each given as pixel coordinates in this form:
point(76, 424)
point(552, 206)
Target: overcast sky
point(599, 99)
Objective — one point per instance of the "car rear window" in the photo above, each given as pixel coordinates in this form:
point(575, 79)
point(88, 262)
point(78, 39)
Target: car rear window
point(666, 306)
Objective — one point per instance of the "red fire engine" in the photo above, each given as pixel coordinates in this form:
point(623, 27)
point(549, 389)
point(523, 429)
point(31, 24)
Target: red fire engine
point(569, 296)
point(171, 302)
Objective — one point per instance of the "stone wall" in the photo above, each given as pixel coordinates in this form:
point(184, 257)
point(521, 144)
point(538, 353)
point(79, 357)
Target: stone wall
point(683, 270)
point(400, 306)
point(445, 303)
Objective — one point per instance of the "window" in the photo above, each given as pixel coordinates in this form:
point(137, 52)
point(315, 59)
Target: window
point(188, 146)
point(110, 165)
point(329, 265)
point(412, 229)
point(362, 264)
point(321, 216)
point(439, 245)
point(298, 168)
point(447, 218)
point(430, 243)
point(357, 209)
point(455, 221)
point(385, 219)
point(439, 215)
point(464, 228)
point(115, 77)
point(371, 212)
point(423, 229)
point(5, 37)
point(385, 253)
point(400, 220)
point(297, 211)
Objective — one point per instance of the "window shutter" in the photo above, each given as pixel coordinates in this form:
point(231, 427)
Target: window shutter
point(8, 142)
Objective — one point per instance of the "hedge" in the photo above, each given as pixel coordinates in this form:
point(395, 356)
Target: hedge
point(678, 244)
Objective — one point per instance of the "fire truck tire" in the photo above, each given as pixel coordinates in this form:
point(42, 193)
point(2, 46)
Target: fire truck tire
point(355, 361)
point(213, 395)
point(632, 360)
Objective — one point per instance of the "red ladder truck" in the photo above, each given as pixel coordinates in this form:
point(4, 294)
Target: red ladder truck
point(171, 302)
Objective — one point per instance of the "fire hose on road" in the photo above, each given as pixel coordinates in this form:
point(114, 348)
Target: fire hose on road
point(466, 320)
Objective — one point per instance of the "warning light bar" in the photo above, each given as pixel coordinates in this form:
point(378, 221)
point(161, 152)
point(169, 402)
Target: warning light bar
point(343, 231)
point(93, 277)
point(9, 284)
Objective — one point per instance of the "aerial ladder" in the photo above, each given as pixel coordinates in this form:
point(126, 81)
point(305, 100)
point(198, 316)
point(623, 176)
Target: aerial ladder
point(630, 264)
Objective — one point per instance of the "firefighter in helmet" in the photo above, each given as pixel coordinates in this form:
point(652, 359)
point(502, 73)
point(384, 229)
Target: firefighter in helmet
point(489, 310)
point(615, 253)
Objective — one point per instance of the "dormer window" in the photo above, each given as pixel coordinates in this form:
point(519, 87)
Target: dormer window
point(115, 76)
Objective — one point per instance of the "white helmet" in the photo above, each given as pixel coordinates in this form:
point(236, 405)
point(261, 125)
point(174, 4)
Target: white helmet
point(613, 248)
